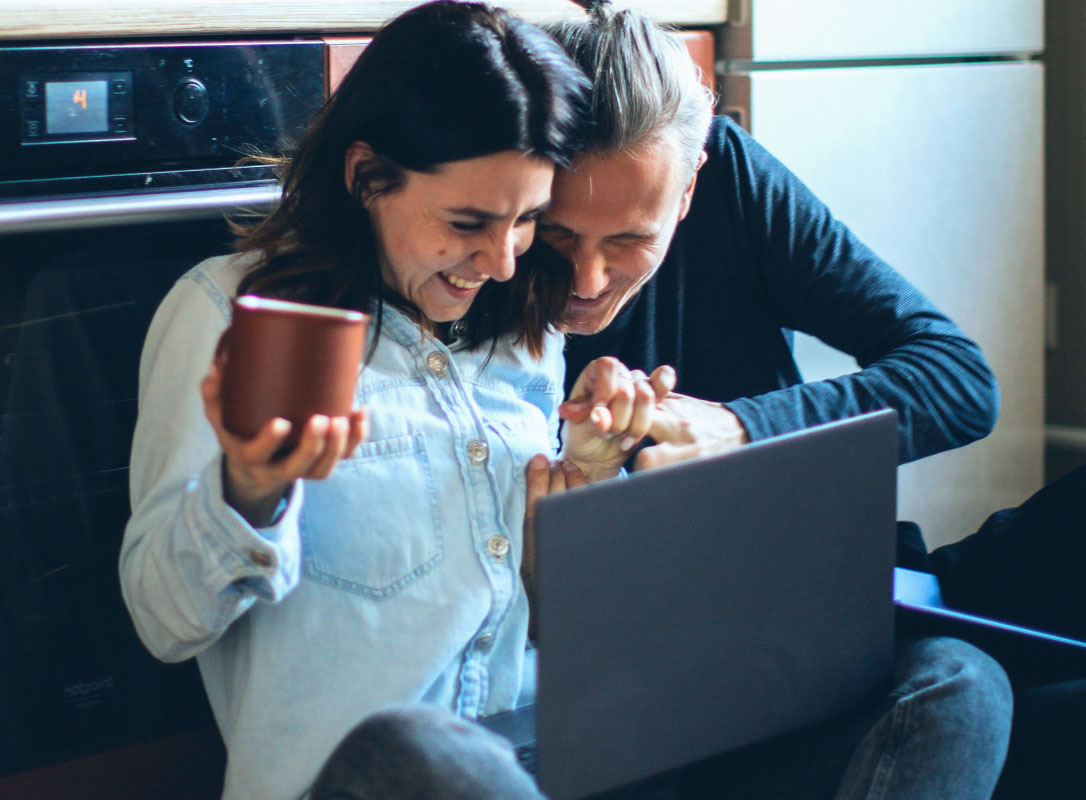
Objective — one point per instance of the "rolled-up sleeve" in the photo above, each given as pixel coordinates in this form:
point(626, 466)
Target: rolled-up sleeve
point(189, 564)
point(817, 277)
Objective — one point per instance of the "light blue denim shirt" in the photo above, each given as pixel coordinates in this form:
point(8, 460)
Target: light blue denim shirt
point(396, 579)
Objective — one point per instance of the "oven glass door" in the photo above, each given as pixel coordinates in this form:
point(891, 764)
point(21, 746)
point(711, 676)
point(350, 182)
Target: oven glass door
point(74, 310)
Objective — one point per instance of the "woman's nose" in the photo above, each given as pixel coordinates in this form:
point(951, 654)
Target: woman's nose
point(497, 259)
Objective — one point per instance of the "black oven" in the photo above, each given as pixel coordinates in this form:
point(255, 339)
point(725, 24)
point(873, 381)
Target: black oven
point(117, 161)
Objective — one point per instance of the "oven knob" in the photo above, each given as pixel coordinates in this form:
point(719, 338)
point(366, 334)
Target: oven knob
point(190, 101)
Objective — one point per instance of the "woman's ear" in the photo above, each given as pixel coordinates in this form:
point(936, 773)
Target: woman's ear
point(358, 153)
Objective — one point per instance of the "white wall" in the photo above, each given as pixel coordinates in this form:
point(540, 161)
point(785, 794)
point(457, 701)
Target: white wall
point(939, 169)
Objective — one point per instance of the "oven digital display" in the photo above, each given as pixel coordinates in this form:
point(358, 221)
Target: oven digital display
point(76, 107)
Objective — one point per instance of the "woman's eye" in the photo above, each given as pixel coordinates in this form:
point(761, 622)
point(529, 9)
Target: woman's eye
point(467, 227)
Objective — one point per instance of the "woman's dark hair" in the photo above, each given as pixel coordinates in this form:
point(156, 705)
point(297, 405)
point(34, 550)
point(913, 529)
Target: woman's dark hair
point(442, 82)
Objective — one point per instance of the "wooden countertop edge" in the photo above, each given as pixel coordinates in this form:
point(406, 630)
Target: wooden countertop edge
point(22, 20)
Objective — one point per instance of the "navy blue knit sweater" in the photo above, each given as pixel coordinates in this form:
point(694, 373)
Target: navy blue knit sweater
point(758, 257)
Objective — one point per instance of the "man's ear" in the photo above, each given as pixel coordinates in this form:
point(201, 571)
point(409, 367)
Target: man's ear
point(688, 193)
point(358, 153)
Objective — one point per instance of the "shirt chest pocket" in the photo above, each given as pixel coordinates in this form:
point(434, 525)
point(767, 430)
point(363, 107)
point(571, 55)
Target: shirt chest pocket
point(374, 526)
point(520, 443)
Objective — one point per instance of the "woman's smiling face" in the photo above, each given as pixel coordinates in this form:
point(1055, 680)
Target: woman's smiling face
point(442, 235)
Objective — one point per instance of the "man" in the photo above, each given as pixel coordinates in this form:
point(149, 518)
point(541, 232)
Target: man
point(693, 247)
point(756, 255)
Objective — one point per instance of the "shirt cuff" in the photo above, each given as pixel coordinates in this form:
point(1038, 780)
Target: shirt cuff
point(265, 561)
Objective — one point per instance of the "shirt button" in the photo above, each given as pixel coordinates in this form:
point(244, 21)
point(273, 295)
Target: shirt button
point(261, 559)
point(497, 545)
point(438, 363)
point(484, 642)
point(477, 451)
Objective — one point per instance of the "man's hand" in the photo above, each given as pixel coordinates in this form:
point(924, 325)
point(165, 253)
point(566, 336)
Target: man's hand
point(685, 427)
point(609, 411)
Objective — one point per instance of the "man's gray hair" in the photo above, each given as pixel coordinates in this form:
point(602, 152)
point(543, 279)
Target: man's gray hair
point(644, 83)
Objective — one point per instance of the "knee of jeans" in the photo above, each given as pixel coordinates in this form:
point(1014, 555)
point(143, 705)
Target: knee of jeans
point(969, 684)
point(419, 750)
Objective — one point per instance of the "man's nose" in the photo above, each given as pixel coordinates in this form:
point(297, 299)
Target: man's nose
point(589, 271)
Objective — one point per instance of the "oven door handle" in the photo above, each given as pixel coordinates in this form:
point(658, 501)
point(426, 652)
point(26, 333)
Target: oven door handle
point(32, 216)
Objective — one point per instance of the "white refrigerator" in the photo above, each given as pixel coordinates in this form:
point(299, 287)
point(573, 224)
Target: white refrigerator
point(920, 124)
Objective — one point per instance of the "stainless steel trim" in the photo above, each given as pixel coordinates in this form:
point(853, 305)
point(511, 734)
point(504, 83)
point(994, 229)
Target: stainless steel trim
point(33, 216)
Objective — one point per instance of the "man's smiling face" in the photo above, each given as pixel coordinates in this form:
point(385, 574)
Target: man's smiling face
point(613, 217)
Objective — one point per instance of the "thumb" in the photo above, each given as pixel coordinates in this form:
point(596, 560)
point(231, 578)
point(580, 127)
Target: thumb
point(574, 410)
point(662, 381)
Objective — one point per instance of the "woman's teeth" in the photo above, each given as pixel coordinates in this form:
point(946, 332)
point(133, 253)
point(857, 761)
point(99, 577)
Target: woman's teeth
point(460, 283)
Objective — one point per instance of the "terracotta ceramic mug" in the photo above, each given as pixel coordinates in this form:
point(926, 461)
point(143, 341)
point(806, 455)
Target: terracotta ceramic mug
point(290, 360)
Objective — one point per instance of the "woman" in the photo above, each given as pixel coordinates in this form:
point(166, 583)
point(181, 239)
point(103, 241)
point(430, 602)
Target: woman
point(348, 575)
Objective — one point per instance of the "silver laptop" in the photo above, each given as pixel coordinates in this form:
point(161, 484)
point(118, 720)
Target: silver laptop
point(696, 608)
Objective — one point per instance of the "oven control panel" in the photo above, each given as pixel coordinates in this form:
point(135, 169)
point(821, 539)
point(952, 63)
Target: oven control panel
point(79, 117)
point(75, 107)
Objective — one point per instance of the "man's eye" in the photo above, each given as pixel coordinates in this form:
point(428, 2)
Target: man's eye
point(551, 230)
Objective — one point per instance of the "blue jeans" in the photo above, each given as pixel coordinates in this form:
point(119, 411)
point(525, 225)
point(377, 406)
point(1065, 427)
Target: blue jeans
point(422, 752)
point(941, 732)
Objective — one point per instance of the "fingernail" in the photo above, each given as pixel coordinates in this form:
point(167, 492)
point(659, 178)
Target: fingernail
point(628, 442)
point(280, 426)
point(596, 415)
point(538, 462)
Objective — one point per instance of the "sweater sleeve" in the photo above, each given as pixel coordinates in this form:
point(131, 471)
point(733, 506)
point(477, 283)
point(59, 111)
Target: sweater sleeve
point(189, 564)
point(818, 278)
